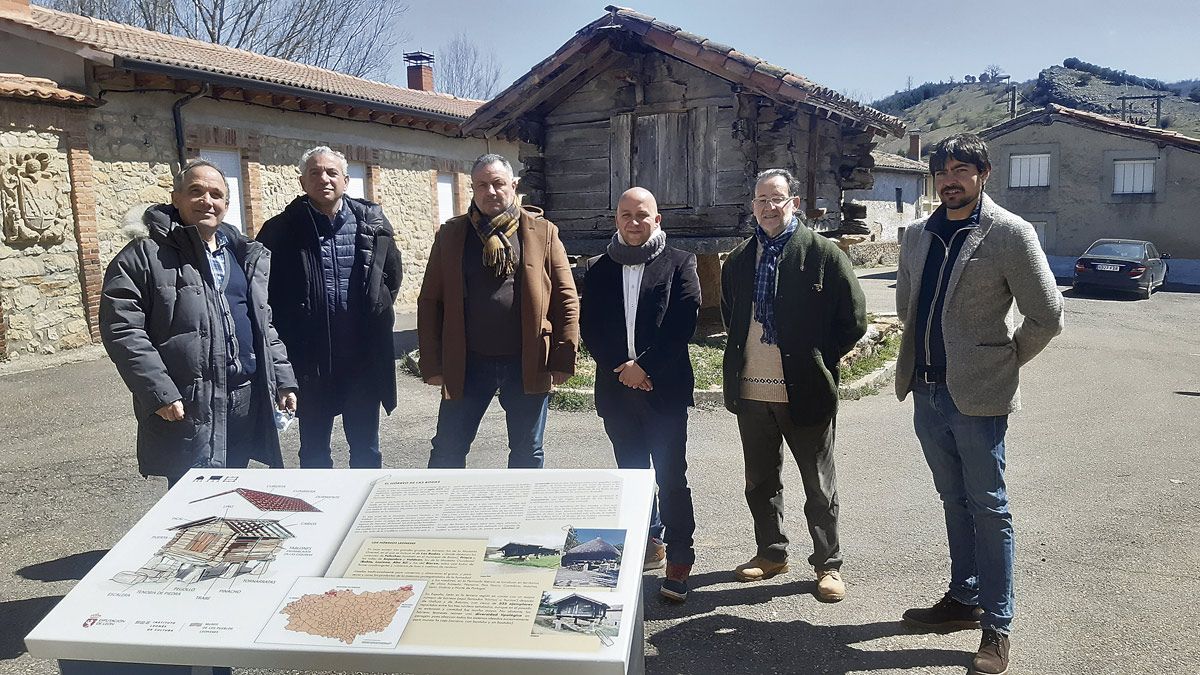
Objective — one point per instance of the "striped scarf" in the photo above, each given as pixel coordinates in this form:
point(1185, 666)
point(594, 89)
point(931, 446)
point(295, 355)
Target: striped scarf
point(764, 278)
point(495, 233)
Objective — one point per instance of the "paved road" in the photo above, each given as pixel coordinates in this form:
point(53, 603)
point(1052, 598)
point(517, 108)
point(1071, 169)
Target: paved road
point(1103, 479)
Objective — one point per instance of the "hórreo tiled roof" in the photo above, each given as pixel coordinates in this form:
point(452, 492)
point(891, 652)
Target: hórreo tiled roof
point(725, 62)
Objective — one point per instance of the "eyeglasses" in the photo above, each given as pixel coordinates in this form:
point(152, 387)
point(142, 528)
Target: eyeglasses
point(763, 202)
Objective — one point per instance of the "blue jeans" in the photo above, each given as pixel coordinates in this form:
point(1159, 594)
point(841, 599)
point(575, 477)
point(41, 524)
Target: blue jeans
point(458, 419)
point(966, 455)
point(640, 436)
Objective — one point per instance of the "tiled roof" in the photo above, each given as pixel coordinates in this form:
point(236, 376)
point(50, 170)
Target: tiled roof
point(887, 161)
point(721, 60)
point(266, 501)
point(136, 45)
point(39, 88)
point(1056, 113)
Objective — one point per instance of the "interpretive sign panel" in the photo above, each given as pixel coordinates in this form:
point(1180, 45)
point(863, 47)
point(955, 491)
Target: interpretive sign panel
point(440, 571)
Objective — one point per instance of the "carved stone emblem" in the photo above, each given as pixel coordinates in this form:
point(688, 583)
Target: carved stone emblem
point(32, 200)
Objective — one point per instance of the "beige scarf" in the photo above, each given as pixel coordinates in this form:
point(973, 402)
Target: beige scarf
point(495, 233)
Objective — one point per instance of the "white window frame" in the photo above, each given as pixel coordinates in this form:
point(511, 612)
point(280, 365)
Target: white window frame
point(1133, 176)
point(1029, 170)
point(445, 197)
point(357, 173)
point(229, 161)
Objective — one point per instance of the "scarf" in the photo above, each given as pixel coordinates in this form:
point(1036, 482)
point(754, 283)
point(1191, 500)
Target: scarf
point(625, 254)
point(495, 232)
point(764, 278)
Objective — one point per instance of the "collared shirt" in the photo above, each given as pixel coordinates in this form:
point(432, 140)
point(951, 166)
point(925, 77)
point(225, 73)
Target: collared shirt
point(631, 276)
point(218, 261)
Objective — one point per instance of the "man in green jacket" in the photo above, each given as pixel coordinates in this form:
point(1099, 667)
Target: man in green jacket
point(793, 308)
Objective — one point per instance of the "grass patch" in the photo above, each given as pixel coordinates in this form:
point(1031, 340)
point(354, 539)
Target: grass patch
point(865, 366)
point(706, 364)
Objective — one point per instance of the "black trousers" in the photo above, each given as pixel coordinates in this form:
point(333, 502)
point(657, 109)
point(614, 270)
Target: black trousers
point(764, 427)
point(643, 437)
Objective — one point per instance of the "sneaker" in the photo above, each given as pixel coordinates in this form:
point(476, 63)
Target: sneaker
point(992, 657)
point(759, 568)
point(946, 616)
point(674, 587)
point(656, 554)
point(830, 587)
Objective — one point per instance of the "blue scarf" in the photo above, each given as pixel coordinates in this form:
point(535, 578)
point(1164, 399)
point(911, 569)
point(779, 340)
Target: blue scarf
point(764, 278)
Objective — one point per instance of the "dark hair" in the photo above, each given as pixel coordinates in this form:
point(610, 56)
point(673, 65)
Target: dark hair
point(966, 148)
point(793, 185)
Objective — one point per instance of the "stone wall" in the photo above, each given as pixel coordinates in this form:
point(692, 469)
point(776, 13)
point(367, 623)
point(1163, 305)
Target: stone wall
point(132, 154)
point(41, 299)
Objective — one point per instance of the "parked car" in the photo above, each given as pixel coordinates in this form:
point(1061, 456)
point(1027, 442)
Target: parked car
point(1121, 265)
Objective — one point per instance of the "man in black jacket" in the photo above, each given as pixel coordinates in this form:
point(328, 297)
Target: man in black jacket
point(337, 273)
point(183, 317)
point(638, 313)
point(793, 308)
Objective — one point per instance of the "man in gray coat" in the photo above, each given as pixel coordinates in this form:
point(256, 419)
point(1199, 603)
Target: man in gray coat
point(183, 316)
point(961, 269)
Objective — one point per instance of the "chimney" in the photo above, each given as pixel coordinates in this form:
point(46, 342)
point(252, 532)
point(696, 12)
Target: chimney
point(914, 144)
point(15, 8)
point(420, 70)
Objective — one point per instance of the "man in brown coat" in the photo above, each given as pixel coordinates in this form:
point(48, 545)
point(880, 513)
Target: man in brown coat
point(497, 311)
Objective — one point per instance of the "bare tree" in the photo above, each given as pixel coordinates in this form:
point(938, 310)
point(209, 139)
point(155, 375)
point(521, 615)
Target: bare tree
point(464, 70)
point(992, 71)
point(357, 37)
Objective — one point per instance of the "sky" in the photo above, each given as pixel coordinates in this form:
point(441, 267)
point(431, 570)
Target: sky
point(866, 48)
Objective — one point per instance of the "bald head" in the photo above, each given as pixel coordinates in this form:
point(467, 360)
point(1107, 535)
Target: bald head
point(637, 216)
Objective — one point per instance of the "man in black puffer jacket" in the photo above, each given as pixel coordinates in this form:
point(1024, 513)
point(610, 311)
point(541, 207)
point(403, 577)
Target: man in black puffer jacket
point(336, 274)
point(183, 316)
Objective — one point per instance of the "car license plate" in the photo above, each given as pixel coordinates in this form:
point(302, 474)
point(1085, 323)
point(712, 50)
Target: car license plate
point(1108, 268)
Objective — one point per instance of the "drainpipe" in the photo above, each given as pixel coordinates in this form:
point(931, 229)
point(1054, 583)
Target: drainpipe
point(177, 115)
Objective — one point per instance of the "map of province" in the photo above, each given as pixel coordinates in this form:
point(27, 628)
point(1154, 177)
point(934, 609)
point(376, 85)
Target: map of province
point(345, 615)
point(355, 612)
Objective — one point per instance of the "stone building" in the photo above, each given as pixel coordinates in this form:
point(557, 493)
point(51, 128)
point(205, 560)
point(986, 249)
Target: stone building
point(898, 196)
point(630, 100)
point(95, 116)
point(1079, 176)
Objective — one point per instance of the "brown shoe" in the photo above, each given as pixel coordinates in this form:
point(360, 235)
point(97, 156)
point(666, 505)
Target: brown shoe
point(830, 587)
point(759, 568)
point(674, 587)
point(656, 554)
point(992, 657)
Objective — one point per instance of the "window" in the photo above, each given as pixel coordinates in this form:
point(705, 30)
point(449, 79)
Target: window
point(1133, 177)
point(899, 200)
point(1029, 171)
point(445, 197)
point(357, 171)
point(230, 164)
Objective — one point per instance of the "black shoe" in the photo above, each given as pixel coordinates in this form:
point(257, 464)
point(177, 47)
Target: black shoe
point(992, 657)
point(946, 616)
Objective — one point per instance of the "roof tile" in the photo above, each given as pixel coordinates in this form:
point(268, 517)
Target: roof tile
point(129, 42)
point(39, 88)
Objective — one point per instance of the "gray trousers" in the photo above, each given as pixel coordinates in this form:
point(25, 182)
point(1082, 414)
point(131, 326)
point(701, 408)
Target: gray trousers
point(763, 428)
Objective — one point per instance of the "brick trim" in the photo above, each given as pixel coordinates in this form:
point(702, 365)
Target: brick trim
point(462, 192)
point(373, 180)
point(83, 204)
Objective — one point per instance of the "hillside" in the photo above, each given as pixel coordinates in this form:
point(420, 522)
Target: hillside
point(975, 107)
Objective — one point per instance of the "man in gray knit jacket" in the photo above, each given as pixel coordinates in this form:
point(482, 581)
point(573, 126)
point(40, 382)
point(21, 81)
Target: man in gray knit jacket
point(960, 271)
